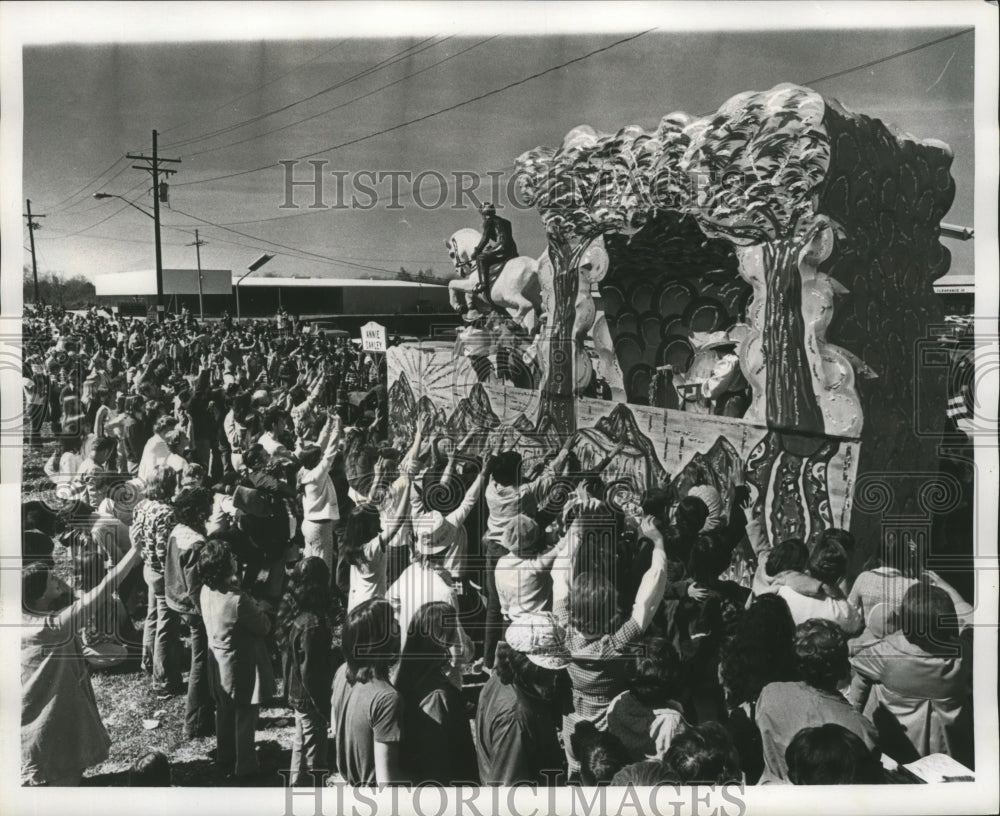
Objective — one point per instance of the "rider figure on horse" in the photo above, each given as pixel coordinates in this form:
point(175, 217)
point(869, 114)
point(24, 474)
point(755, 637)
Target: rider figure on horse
point(498, 235)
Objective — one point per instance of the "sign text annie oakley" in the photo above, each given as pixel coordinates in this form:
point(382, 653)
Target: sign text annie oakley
point(373, 337)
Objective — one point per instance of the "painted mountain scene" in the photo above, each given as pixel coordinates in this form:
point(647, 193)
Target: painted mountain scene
point(659, 447)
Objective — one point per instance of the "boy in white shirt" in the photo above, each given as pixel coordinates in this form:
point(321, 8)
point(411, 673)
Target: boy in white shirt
point(523, 575)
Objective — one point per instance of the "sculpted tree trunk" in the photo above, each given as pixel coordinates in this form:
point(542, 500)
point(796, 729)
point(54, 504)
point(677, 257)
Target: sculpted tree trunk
point(791, 402)
point(556, 407)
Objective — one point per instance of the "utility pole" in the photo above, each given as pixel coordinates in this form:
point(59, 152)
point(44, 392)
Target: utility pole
point(152, 167)
point(32, 226)
point(198, 244)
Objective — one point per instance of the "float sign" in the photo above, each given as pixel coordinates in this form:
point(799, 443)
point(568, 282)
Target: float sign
point(373, 337)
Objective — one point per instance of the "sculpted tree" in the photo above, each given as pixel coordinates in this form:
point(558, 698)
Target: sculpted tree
point(813, 200)
point(591, 186)
point(757, 166)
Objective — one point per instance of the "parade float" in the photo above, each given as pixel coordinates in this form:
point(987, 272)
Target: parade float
point(740, 296)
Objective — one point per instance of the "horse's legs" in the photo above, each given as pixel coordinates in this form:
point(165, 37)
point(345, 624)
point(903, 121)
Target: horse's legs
point(521, 304)
point(459, 294)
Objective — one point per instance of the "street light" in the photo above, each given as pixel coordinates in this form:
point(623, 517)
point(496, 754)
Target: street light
point(263, 259)
point(155, 215)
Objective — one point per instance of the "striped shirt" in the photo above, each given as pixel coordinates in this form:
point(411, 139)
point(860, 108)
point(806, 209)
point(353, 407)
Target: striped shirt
point(598, 676)
point(598, 669)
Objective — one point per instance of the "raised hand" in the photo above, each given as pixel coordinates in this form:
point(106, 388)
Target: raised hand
point(697, 593)
point(649, 529)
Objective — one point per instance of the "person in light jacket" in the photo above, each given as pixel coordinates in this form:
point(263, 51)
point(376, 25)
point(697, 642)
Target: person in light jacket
point(915, 683)
point(236, 627)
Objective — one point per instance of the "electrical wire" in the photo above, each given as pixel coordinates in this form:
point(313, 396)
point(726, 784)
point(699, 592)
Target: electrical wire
point(431, 115)
point(283, 246)
point(399, 56)
point(131, 203)
point(879, 61)
point(243, 96)
point(58, 206)
point(379, 200)
point(342, 104)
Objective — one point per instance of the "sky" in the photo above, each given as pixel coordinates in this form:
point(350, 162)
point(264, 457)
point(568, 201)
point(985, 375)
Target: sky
point(87, 105)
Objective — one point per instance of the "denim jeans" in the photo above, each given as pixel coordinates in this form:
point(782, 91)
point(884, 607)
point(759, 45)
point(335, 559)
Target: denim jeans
point(160, 636)
point(200, 709)
point(309, 751)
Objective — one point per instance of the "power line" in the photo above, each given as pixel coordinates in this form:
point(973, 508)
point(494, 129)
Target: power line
point(296, 255)
point(97, 223)
point(879, 61)
point(310, 211)
point(242, 96)
point(427, 116)
point(75, 193)
point(284, 246)
point(104, 183)
point(401, 55)
point(889, 57)
point(287, 254)
point(58, 237)
point(342, 104)
point(58, 207)
point(96, 204)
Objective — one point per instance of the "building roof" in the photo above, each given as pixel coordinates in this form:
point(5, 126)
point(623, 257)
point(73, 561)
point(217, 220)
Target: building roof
point(221, 282)
point(347, 283)
point(175, 282)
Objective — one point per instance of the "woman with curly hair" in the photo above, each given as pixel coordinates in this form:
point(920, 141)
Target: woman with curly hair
point(236, 627)
point(785, 708)
point(305, 633)
point(760, 651)
point(153, 520)
point(437, 742)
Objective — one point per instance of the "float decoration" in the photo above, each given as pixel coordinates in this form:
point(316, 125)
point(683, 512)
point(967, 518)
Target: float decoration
point(815, 228)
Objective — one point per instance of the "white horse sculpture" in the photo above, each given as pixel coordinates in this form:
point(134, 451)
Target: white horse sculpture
point(515, 289)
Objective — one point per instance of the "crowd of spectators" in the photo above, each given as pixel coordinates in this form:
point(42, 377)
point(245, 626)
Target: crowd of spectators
point(447, 617)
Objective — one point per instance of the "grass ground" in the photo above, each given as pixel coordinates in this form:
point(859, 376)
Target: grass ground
point(126, 701)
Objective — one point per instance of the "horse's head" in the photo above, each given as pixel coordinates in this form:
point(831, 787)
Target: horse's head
point(460, 247)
